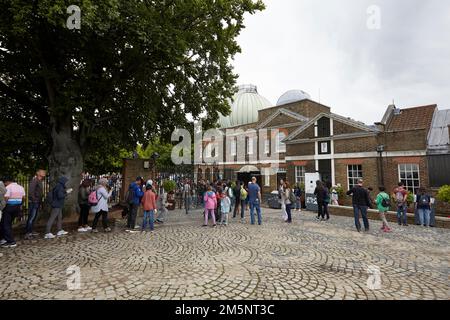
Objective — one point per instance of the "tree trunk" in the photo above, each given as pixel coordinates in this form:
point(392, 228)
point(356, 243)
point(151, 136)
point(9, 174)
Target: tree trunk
point(66, 160)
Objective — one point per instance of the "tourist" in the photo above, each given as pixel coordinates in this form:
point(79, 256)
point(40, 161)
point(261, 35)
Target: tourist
point(2, 197)
point(383, 202)
point(210, 202)
point(326, 199)
point(319, 192)
point(101, 208)
point(57, 197)
point(187, 195)
point(254, 199)
point(237, 198)
point(361, 202)
point(161, 205)
point(290, 201)
point(334, 197)
point(134, 197)
point(401, 195)
point(282, 197)
point(298, 195)
point(230, 193)
point(219, 196)
point(149, 206)
point(423, 206)
point(83, 195)
point(244, 197)
point(13, 197)
point(225, 204)
point(35, 193)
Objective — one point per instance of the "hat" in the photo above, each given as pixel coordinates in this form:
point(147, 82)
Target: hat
point(150, 182)
point(139, 178)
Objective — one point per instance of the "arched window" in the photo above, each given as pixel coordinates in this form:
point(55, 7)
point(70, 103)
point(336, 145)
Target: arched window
point(281, 147)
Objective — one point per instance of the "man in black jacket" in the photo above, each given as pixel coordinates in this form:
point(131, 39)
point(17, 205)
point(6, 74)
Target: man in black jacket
point(361, 201)
point(35, 193)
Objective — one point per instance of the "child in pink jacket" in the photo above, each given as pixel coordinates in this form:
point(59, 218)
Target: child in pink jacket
point(210, 205)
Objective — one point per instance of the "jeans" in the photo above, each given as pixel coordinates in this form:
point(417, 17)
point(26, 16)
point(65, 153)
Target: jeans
point(56, 213)
point(104, 215)
point(243, 204)
point(254, 204)
point(297, 204)
point(401, 215)
point(224, 220)
point(32, 215)
point(213, 216)
point(288, 211)
point(187, 202)
point(424, 216)
point(84, 213)
point(363, 209)
point(236, 207)
point(149, 215)
point(131, 223)
point(325, 210)
point(9, 214)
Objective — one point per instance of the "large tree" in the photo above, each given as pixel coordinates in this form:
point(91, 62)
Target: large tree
point(132, 71)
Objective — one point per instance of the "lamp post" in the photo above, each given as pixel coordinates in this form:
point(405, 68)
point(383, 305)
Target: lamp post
point(380, 150)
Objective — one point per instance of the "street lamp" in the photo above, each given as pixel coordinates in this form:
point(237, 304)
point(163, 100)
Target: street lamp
point(380, 150)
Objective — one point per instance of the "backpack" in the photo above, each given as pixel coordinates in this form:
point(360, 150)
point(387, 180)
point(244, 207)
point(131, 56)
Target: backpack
point(400, 198)
point(93, 198)
point(230, 193)
point(292, 197)
point(424, 200)
point(130, 196)
point(386, 202)
point(243, 194)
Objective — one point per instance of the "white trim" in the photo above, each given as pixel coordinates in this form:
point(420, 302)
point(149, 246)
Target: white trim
point(316, 130)
point(317, 165)
point(331, 127)
point(418, 172)
point(251, 162)
point(280, 111)
point(333, 173)
point(373, 154)
point(347, 136)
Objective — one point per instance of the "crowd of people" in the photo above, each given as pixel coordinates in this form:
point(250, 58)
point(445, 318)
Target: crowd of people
point(218, 200)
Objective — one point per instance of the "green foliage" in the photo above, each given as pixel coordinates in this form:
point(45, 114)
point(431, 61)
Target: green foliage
point(169, 185)
point(410, 197)
point(444, 194)
point(132, 73)
point(163, 149)
point(340, 191)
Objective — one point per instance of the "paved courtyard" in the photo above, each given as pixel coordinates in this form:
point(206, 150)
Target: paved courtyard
point(182, 260)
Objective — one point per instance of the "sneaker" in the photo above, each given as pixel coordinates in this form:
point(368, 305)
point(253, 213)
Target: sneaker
point(82, 230)
point(387, 230)
point(62, 233)
point(34, 234)
point(215, 225)
point(88, 228)
point(94, 231)
point(9, 245)
point(49, 236)
point(28, 236)
point(137, 227)
point(205, 225)
point(2, 242)
point(108, 229)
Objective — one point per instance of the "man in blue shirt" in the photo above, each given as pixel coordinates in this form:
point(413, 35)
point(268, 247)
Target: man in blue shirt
point(254, 199)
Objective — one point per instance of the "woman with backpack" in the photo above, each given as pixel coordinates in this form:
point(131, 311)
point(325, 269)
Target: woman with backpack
point(423, 206)
point(100, 205)
point(210, 201)
point(383, 202)
point(290, 200)
point(83, 195)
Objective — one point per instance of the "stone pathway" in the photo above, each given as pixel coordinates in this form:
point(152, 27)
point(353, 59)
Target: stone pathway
point(182, 260)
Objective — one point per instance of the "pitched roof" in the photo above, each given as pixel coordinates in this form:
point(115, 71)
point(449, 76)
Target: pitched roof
point(412, 119)
point(439, 137)
point(286, 112)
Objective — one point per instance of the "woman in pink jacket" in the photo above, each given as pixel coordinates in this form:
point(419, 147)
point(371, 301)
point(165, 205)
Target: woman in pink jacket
point(210, 201)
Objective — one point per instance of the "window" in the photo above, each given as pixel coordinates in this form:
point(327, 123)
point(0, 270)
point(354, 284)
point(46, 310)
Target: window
point(323, 127)
point(409, 175)
point(354, 174)
point(233, 147)
point(209, 150)
point(267, 177)
point(250, 146)
point(300, 174)
point(267, 146)
point(281, 147)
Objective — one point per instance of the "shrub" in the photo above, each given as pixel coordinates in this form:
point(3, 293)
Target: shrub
point(444, 194)
point(169, 185)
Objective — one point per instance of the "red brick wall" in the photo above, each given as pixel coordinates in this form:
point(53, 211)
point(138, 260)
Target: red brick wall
point(304, 149)
point(342, 128)
point(366, 144)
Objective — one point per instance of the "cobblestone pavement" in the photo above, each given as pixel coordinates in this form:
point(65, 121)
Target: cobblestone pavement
point(183, 260)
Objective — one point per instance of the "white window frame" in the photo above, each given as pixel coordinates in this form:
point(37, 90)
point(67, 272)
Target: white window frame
point(300, 172)
point(249, 146)
point(267, 177)
point(280, 147)
point(233, 150)
point(354, 178)
point(405, 181)
point(267, 146)
point(322, 149)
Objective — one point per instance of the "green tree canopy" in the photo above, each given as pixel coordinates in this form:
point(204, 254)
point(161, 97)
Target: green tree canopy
point(132, 72)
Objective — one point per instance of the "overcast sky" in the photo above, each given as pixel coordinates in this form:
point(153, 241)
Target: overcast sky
point(327, 45)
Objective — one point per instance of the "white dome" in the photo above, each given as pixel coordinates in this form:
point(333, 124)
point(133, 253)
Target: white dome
point(244, 109)
point(293, 96)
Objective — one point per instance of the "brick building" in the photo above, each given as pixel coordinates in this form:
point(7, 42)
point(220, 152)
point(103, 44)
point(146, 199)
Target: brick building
point(310, 138)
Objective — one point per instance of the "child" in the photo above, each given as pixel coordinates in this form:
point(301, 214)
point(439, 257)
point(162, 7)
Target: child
point(334, 197)
point(210, 201)
point(225, 207)
point(383, 202)
point(149, 205)
point(162, 205)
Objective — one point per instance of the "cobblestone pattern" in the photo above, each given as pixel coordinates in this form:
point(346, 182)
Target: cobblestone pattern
point(182, 260)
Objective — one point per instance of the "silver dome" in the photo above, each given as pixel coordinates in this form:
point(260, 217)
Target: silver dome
point(293, 96)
